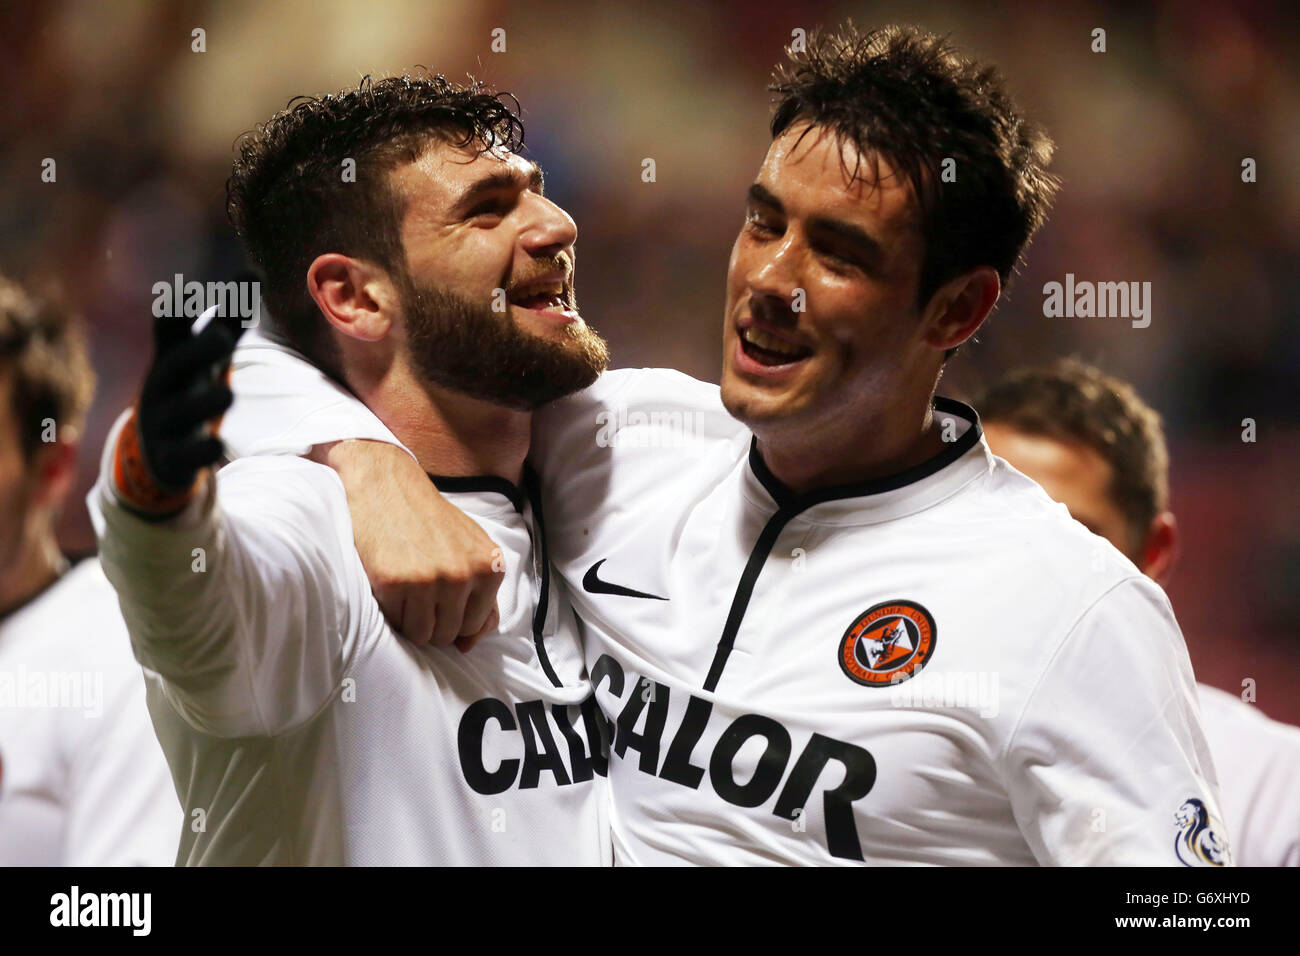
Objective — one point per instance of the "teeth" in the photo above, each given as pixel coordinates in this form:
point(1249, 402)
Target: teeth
point(550, 294)
point(552, 289)
point(756, 336)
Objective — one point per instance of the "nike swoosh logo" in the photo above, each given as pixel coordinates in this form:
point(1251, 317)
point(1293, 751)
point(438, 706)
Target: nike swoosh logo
point(594, 585)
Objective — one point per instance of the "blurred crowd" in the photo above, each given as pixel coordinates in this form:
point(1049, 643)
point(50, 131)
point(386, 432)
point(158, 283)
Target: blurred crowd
point(139, 113)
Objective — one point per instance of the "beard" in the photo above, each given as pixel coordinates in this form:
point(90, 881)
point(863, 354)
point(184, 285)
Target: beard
point(463, 345)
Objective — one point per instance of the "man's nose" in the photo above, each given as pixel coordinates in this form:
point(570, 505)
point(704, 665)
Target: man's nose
point(549, 229)
point(775, 275)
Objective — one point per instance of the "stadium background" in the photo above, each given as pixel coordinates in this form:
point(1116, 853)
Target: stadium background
point(1151, 136)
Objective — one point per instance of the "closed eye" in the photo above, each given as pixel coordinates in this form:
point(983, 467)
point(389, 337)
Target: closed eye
point(489, 207)
point(496, 194)
point(839, 259)
point(757, 222)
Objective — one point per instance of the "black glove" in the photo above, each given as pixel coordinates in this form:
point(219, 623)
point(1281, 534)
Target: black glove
point(185, 389)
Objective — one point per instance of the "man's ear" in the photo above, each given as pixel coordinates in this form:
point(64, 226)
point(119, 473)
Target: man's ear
point(357, 298)
point(960, 306)
point(1160, 549)
point(54, 470)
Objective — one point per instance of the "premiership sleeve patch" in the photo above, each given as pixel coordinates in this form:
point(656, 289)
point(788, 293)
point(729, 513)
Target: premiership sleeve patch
point(1198, 843)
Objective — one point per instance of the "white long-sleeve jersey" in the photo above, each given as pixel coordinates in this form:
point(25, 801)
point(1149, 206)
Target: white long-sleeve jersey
point(940, 667)
point(1258, 760)
point(301, 730)
point(82, 779)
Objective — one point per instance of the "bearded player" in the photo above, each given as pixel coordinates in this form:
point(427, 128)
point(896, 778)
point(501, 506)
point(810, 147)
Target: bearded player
point(824, 623)
point(1091, 442)
point(299, 728)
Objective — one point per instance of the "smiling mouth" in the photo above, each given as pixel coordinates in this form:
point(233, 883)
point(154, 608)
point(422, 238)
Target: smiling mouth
point(542, 297)
point(766, 349)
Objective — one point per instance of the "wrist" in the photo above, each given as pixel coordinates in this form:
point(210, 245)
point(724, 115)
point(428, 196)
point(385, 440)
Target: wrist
point(360, 459)
point(134, 481)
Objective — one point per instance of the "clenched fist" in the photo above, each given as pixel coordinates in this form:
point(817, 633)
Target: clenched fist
point(435, 573)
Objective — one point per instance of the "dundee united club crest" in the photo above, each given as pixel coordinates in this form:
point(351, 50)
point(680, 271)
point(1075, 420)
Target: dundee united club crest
point(888, 644)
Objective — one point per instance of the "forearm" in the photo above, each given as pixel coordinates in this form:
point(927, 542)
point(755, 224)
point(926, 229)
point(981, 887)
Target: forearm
point(170, 580)
point(246, 605)
point(378, 478)
point(433, 570)
point(240, 602)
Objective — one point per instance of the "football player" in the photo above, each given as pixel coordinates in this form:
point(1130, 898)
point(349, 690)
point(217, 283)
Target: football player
point(386, 219)
point(82, 779)
point(1091, 442)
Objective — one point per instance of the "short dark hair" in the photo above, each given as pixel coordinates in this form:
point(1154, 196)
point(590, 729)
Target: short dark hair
point(907, 95)
point(288, 200)
point(1072, 401)
point(42, 341)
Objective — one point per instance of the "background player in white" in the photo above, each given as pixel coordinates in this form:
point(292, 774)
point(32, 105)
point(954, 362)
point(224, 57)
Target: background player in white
point(738, 575)
point(1091, 442)
point(82, 779)
point(300, 729)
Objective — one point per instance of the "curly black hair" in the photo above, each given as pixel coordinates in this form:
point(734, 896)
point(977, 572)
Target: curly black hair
point(289, 200)
point(907, 95)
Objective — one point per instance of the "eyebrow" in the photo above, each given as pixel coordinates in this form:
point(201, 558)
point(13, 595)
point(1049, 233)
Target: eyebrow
point(498, 182)
point(762, 196)
point(865, 243)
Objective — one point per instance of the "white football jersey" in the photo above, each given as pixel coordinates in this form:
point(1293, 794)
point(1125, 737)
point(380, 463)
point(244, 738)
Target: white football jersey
point(939, 667)
point(300, 729)
point(1258, 760)
point(82, 779)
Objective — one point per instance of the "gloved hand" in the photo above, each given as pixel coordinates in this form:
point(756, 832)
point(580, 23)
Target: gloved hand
point(172, 435)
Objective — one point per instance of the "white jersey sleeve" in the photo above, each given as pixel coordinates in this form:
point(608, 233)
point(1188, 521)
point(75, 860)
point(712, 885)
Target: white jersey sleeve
point(1258, 760)
point(1092, 719)
point(284, 405)
point(243, 603)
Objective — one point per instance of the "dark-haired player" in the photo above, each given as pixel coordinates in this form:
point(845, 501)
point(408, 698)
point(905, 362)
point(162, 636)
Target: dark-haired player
point(301, 729)
point(833, 628)
point(82, 781)
point(1091, 442)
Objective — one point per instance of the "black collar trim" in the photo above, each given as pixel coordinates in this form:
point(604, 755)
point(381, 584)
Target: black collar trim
point(458, 484)
point(785, 498)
